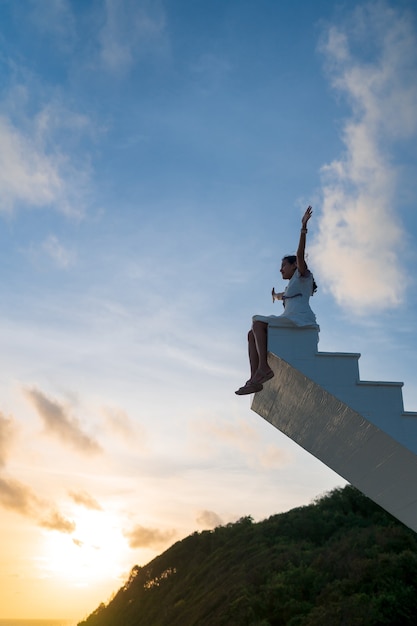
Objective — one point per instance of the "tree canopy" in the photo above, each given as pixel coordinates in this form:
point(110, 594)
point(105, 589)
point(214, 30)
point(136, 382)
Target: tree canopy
point(340, 561)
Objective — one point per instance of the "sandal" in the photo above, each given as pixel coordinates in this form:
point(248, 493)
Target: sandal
point(249, 387)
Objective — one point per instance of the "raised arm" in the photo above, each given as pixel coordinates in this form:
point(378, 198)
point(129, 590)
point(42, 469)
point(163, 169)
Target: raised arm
point(301, 264)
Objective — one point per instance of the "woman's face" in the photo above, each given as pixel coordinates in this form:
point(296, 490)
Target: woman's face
point(287, 269)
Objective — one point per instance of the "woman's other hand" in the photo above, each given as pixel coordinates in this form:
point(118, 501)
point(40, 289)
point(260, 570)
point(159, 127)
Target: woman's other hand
point(275, 295)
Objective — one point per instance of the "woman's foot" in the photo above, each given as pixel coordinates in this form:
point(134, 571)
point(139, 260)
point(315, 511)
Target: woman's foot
point(249, 387)
point(262, 376)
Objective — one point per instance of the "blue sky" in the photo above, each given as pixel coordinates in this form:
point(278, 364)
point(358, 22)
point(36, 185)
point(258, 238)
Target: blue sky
point(156, 158)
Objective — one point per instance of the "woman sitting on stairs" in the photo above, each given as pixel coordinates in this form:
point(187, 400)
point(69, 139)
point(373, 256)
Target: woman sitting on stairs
point(297, 312)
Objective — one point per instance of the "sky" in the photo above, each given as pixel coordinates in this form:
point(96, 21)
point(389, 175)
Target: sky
point(156, 158)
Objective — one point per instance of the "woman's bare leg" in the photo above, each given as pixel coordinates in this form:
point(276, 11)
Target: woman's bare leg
point(249, 387)
point(253, 354)
point(259, 368)
point(260, 333)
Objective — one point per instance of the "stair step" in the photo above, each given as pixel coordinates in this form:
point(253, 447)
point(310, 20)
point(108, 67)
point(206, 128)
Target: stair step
point(353, 355)
point(380, 383)
point(409, 414)
point(336, 366)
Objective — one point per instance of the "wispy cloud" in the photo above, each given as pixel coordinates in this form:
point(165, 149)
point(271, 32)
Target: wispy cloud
point(6, 435)
point(141, 537)
point(26, 173)
point(20, 498)
point(119, 423)
point(33, 171)
point(209, 519)
point(360, 240)
point(55, 19)
point(55, 521)
point(130, 29)
point(60, 423)
point(60, 254)
point(78, 543)
point(238, 435)
point(85, 499)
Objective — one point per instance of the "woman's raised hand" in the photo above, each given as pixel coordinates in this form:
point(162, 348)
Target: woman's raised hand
point(306, 216)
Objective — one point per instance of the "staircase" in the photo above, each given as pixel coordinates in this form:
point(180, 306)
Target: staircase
point(357, 428)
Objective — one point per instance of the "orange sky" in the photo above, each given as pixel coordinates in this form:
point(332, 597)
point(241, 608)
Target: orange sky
point(78, 514)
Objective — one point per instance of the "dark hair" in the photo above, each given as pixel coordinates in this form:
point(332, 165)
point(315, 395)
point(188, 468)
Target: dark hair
point(291, 258)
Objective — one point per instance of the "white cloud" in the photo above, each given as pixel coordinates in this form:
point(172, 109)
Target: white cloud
point(26, 174)
point(129, 29)
point(361, 240)
point(33, 171)
point(62, 257)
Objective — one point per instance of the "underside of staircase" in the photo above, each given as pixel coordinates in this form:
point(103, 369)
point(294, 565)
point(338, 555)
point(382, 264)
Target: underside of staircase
point(357, 428)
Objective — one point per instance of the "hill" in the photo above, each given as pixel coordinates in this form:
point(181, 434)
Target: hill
point(339, 561)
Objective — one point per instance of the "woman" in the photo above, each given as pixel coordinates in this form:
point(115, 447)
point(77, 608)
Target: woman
point(297, 312)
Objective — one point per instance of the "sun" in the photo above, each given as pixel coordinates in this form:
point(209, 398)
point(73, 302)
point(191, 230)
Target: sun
point(97, 550)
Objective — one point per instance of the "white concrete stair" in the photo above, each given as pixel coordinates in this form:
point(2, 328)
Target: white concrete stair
point(357, 428)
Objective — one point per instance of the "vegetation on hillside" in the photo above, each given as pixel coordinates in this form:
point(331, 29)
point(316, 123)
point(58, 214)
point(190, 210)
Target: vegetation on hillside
point(341, 561)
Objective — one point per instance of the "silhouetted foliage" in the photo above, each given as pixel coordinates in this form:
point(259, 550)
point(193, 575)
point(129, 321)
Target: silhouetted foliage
point(341, 561)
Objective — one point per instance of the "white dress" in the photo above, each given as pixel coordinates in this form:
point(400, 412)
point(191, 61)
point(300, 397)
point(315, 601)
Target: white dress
point(297, 311)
